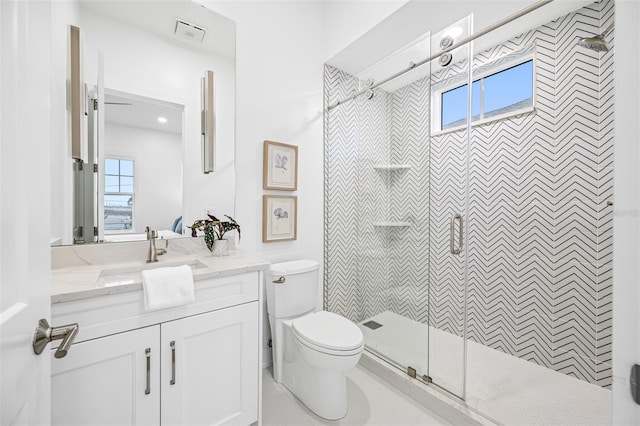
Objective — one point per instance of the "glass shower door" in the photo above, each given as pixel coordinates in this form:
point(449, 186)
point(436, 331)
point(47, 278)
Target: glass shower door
point(450, 107)
point(394, 173)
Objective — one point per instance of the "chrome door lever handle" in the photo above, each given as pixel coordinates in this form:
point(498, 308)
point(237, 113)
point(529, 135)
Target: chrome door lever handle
point(45, 333)
point(280, 280)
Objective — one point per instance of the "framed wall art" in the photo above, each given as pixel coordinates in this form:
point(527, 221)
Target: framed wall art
point(280, 166)
point(279, 218)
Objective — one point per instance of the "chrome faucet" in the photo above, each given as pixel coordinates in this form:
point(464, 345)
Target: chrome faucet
point(152, 255)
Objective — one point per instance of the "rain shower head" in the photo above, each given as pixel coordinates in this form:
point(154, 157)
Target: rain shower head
point(596, 43)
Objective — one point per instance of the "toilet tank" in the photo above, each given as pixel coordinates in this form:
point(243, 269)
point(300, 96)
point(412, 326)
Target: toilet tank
point(297, 293)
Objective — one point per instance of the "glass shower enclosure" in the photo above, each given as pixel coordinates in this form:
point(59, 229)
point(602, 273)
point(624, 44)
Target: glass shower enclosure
point(468, 218)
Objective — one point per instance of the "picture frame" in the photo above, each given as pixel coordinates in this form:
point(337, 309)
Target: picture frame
point(280, 166)
point(279, 218)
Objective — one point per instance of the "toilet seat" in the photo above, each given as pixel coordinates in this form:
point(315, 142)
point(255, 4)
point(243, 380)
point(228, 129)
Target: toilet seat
point(326, 351)
point(328, 333)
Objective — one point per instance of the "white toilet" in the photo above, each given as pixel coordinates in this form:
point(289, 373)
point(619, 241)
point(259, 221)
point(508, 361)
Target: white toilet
point(311, 350)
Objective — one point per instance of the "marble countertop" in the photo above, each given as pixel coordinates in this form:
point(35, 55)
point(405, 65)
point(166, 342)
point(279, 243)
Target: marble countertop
point(84, 272)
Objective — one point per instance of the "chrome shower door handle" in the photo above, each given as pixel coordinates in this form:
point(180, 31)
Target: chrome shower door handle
point(452, 225)
point(460, 233)
point(452, 243)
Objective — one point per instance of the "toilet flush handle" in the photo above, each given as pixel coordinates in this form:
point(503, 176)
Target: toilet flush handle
point(280, 280)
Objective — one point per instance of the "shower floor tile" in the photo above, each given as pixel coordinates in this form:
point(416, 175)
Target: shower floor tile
point(502, 387)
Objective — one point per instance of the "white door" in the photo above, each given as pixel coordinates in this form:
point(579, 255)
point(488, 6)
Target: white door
point(25, 205)
point(114, 380)
point(210, 371)
point(626, 217)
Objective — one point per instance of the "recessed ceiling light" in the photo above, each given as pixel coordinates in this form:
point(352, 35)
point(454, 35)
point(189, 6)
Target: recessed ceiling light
point(162, 120)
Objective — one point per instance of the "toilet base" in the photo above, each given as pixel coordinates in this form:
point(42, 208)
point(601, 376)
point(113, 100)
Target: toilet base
point(323, 391)
point(316, 378)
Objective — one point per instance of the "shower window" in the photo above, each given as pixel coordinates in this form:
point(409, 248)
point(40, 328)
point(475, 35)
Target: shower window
point(498, 91)
point(118, 195)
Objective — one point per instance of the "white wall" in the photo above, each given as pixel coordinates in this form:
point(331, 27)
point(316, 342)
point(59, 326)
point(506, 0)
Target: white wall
point(141, 63)
point(157, 175)
point(279, 98)
point(279, 63)
point(347, 20)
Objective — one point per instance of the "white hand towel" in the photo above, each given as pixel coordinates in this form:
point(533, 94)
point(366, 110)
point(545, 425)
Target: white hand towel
point(167, 287)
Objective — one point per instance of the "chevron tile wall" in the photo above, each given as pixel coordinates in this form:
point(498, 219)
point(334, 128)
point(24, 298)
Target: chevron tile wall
point(409, 247)
point(342, 287)
point(539, 239)
point(356, 196)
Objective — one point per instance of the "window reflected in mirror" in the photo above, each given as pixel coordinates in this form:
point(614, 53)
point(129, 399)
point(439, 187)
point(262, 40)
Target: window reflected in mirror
point(119, 206)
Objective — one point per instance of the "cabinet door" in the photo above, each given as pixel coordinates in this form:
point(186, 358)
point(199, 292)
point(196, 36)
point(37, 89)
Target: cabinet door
point(104, 381)
point(210, 371)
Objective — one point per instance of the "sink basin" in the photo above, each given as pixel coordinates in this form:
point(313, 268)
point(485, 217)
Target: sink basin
point(110, 277)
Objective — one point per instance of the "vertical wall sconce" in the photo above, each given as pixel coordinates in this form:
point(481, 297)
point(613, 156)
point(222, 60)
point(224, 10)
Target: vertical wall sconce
point(208, 123)
point(75, 93)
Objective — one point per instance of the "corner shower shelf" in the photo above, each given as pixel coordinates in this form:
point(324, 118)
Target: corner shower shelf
point(392, 224)
point(391, 166)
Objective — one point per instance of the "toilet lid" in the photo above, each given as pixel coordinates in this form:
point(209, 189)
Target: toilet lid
point(328, 330)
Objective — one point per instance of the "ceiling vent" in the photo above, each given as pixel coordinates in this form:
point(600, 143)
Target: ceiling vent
point(189, 31)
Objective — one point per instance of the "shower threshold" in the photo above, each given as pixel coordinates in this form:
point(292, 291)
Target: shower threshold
point(500, 388)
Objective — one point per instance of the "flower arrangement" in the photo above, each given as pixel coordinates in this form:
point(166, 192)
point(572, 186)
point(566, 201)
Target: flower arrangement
point(214, 228)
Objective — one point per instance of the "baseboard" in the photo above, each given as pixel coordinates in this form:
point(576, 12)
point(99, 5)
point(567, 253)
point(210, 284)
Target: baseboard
point(439, 402)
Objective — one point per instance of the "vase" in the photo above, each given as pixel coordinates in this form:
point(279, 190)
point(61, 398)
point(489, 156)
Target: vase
point(231, 243)
point(220, 248)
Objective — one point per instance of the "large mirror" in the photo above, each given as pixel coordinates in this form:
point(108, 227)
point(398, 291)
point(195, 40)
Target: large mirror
point(143, 62)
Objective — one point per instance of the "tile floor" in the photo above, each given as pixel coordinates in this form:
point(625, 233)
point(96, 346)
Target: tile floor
point(371, 402)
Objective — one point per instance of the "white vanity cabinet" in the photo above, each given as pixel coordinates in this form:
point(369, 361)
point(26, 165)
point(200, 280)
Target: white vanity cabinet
point(104, 381)
point(210, 368)
point(190, 365)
